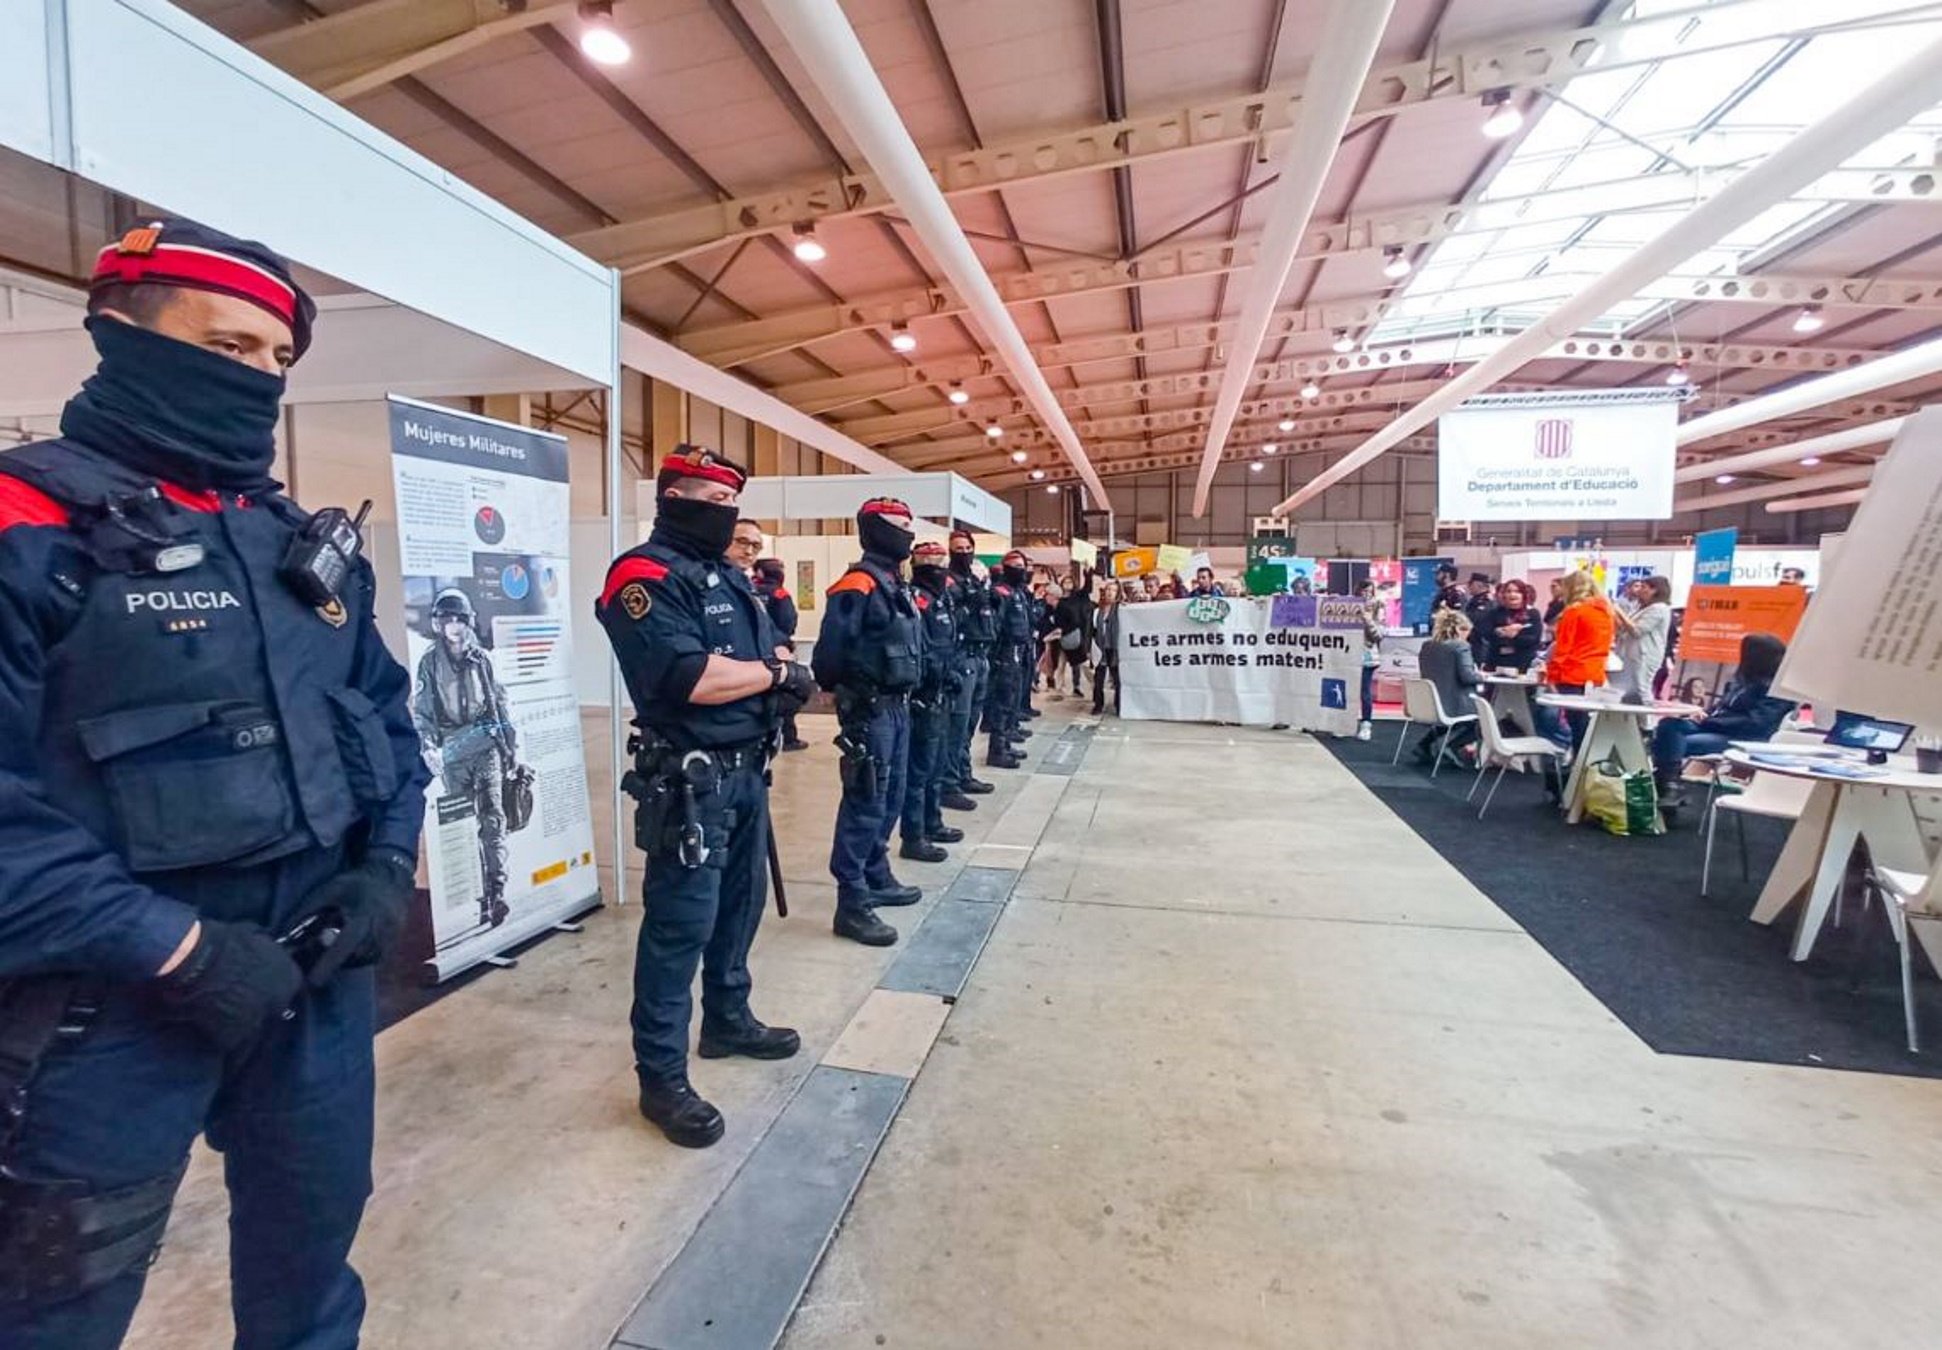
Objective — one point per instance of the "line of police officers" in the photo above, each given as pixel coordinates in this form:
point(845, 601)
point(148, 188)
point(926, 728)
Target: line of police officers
point(208, 850)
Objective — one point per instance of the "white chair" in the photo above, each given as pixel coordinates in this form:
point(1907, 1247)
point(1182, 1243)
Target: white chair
point(1774, 795)
point(1504, 751)
point(1898, 891)
point(1422, 707)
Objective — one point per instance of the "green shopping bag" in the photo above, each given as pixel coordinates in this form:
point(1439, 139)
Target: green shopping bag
point(1624, 803)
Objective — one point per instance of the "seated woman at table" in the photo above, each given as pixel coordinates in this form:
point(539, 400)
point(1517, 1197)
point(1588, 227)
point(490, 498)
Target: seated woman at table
point(1513, 630)
point(1578, 656)
point(1445, 661)
point(1747, 711)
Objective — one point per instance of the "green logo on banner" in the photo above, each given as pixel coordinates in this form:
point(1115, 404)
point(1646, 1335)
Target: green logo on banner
point(1206, 609)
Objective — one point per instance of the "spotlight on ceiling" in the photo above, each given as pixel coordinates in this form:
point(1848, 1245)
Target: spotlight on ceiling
point(1504, 116)
point(994, 431)
point(1311, 390)
point(957, 394)
point(1019, 456)
point(1394, 265)
point(808, 247)
point(1052, 488)
point(1809, 320)
point(600, 41)
point(1724, 479)
point(1037, 474)
point(1286, 424)
point(1269, 448)
point(901, 338)
point(1256, 467)
point(1811, 461)
point(1343, 342)
point(1677, 375)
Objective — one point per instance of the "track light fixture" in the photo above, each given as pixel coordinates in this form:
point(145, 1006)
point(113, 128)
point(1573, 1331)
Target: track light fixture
point(808, 247)
point(901, 338)
point(994, 431)
point(1394, 265)
point(1504, 115)
point(957, 394)
point(600, 41)
point(1311, 390)
point(1343, 342)
point(1677, 375)
point(1286, 424)
point(1255, 467)
point(1269, 448)
point(1037, 474)
point(1809, 320)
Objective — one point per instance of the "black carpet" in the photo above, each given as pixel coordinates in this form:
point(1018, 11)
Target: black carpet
point(1689, 975)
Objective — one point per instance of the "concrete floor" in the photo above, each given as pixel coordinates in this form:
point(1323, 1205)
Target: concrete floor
point(1244, 1065)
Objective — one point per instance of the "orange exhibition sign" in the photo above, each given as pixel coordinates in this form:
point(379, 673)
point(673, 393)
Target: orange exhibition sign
point(1717, 617)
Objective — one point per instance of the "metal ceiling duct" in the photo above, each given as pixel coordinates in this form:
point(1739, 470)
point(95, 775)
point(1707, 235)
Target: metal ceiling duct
point(834, 58)
point(1854, 438)
point(1351, 34)
point(1911, 363)
point(1787, 487)
point(1890, 102)
point(1818, 503)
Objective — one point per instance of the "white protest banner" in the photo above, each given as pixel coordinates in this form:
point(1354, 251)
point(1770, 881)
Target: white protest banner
point(482, 540)
point(1221, 660)
point(1605, 455)
point(1871, 641)
point(1084, 553)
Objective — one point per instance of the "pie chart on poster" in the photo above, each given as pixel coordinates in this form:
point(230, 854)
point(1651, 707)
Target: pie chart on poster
point(514, 581)
point(489, 525)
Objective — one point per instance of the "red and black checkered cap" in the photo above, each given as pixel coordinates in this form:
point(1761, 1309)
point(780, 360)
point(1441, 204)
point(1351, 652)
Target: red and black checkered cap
point(191, 256)
point(883, 506)
point(1018, 555)
point(696, 461)
point(927, 548)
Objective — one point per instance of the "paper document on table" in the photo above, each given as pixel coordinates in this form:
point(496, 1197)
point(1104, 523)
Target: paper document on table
point(1872, 638)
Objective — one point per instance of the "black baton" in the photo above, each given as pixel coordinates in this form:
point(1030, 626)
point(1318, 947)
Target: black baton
point(775, 879)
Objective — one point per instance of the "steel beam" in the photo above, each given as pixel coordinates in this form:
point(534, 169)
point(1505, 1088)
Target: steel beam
point(373, 44)
point(1538, 60)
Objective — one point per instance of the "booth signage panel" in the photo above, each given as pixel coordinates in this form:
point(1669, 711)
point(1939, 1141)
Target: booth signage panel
point(1229, 663)
point(1717, 617)
point(295, 170)
point(1419, 592)
point(482, 510)
point(1590, 460)
point(1713, 556)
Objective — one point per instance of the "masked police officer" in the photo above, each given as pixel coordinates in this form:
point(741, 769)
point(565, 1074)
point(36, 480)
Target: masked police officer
point(870, 654)
point(459, 709)
point(708, 676)
point(924, 830)
point(203, 745)
point(1010, 661)
point(775, 597)
point(977, 627)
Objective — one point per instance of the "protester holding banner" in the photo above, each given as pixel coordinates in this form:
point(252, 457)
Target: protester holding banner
point(708, 676)
point(1747, 711)
point(1072, 618)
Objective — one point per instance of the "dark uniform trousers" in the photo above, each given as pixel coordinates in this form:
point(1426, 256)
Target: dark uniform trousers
point(293, 1124)
point(930, 729)
point(251, 740)
point(1001, 699)
point(966, 705)
point(705, 915)
point(859, 855)
point(1027, 658)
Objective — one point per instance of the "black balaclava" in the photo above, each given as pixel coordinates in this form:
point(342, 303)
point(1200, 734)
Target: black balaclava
point(962, 560)
point(173, 411)
point(1017, 573)
point(700, 528)
point(883, 538)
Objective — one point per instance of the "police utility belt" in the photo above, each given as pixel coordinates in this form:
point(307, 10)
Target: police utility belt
point(669, 786)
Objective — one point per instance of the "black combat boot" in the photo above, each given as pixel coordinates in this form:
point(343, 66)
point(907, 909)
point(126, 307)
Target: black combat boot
point(862, 925)
point(922, 850)
point(683, 1116)
point(976, 787)
point(944, 834)
point(751, 1039)
point(954, 800)
point(895, 895)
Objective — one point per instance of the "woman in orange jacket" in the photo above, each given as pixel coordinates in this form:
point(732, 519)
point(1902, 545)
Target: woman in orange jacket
point(1578, 655)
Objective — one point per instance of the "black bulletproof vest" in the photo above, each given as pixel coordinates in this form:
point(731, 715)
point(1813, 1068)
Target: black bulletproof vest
point(939, 611)
point(890, 649)
point(202, 719)
point(977, 614)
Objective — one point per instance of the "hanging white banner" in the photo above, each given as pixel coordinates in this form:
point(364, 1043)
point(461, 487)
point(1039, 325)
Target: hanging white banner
point(1223, 660)
point(482, 537)
point(1524, 457)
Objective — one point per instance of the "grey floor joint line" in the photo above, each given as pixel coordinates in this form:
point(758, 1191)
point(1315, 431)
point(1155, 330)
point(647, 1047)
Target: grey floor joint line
point(1067, 753)
point(939, 958)
point(736, 1283)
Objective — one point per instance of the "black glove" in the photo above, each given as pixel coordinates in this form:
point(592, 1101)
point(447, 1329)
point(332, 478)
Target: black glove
point(794, 686)
point(232, 982)
point(365, 905)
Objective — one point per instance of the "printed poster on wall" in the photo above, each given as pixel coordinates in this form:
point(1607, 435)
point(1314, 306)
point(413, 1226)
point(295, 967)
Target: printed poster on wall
point(1419, 592)
point(1717, 617)
point(482, 539)
point(1607, 455)
point(1223, 660)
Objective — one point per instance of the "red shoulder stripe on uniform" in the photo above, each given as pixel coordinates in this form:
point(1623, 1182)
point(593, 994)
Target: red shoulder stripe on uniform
point(861, 582)
point(23, 504)
point(209, 503)
point(631, 569)
point(923, 600)
point(781, 593)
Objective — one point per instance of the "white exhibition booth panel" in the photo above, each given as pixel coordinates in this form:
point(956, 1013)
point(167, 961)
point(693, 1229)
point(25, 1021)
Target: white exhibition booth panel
point(1752, 566)
point(934, 496)
point(247, 148)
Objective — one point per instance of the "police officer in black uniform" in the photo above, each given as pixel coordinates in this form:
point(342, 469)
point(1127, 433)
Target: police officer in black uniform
point(977, 629)
point(204, 746)
point(1009, 660)
point(924, 830)
point(708, 675)
point(870, 654)
point(775, 597)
